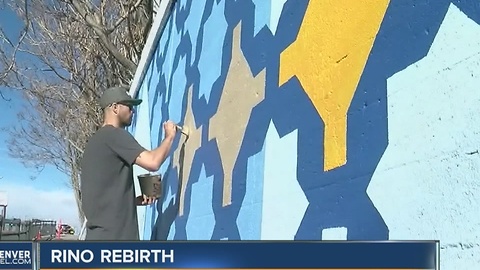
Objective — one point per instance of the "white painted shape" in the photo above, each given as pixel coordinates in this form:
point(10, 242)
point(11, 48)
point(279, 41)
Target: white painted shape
point(339, 233)
point(275, 13)
point(426, 185)
point(284, 203)
point(142, 135)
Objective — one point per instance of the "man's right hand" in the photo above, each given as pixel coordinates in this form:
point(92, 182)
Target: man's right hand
point(170, 129)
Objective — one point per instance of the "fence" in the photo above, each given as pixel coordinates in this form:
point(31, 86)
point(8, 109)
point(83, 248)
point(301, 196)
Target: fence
point(18, 230)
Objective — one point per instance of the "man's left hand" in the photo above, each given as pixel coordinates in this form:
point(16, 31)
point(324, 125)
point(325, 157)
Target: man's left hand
point(145, 200)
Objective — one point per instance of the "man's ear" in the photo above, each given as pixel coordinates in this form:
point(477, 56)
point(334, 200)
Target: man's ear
point(115, 108)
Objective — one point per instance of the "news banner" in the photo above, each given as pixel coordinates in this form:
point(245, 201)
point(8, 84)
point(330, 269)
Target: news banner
point(245, 255)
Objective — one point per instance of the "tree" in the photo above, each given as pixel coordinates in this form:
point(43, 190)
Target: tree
point(67, 53)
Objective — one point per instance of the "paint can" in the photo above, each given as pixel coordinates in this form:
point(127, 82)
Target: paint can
point(150, 184)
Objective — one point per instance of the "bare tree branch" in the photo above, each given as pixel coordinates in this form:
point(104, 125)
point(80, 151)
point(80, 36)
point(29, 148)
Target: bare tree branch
point(94, 23)
point(69, 51)
point(17, 46)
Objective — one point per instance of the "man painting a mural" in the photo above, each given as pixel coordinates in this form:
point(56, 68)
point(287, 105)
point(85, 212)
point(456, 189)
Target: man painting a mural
point(107, 187)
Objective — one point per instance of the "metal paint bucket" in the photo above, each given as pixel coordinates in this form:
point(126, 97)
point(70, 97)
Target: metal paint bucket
point(150, 184)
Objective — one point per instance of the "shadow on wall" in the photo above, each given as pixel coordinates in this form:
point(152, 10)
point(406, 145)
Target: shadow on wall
point(165, 218)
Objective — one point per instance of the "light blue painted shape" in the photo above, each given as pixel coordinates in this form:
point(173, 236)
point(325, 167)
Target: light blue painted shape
point(179, 86)
point(183, 3)
point(164, 38)
point(284, 202)
point(193, 23)
point(156, 126)
point(334, 233)
point(275, 14)
point(171, 232)
point(151, 81)
point(155, 98)
point(426, 186)
point(150, 78)
point(267, 13)
point(210, 63)
point(142, 133)
point(149, 221)
point(168, 198)
point(250, 216)
point(201, 219)
point(262, 14)
point(173, 44)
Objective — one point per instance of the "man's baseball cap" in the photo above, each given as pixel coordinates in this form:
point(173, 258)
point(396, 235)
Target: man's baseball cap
point(117, 95)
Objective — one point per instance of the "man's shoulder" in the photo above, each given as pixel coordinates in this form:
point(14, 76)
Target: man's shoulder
point(101, 136)
point(111, 130)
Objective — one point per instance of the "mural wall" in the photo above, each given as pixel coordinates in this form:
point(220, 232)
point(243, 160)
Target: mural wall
point(318, 119)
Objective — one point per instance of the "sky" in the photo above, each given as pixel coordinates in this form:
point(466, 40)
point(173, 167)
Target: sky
point(49, 195)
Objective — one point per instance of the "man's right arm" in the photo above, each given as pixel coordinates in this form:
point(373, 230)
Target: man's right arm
point(151, 160)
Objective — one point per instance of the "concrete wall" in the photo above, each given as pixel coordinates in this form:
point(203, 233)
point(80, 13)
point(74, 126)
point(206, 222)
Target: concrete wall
point(318, 120)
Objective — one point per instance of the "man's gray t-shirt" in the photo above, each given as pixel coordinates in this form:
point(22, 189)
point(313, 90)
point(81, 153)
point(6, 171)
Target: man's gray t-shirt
point(107, 187)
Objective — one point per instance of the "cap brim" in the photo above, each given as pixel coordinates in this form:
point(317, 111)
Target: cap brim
point(134, 102)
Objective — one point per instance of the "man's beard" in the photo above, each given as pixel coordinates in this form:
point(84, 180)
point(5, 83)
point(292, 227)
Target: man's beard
point(127, 122)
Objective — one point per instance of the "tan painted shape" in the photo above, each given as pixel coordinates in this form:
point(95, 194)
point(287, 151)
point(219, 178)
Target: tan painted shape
point(184, 154)
point(242, 92)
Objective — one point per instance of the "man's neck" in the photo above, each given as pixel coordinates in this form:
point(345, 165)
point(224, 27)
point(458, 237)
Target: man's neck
point(112, 123)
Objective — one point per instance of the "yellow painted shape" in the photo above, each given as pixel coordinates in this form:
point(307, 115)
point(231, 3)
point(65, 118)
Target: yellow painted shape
point(328, 58)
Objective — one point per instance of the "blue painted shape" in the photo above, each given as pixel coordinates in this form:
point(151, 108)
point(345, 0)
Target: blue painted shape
point(156, 95)
point(192, 25)
point(471, 8)
point(210, 62)
point(406, 28)
point(250, 215)
point(153, 82)
point(201, 220)
point(167, 210)
point(225, 217)
point(262, 14)
point(169, 63)
point(162, 48)
point(290, 109)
